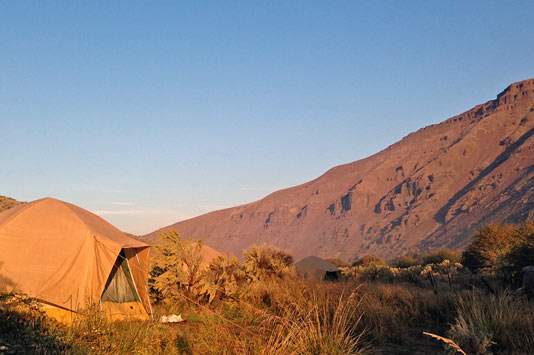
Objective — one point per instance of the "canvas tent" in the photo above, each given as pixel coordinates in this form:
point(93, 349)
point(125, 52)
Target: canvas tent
point(69, 258)
point(315, 267)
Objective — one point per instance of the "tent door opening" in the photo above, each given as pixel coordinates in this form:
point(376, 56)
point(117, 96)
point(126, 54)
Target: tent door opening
point(120, 287)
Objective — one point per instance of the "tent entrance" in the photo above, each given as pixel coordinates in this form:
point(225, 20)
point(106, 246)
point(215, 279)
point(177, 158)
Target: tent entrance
point(120, 287)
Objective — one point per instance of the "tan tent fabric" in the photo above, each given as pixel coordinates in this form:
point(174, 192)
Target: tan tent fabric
point(63, 255)
point(139, 261)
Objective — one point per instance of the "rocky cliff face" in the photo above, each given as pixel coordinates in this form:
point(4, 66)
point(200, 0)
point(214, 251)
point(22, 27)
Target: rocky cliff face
point(429, 190)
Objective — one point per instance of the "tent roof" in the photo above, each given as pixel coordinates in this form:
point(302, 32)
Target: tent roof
point(49, 210)
point(314, 263)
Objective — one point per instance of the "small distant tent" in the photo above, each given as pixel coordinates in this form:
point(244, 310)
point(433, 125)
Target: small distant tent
point(317, 268)
point(69, 259)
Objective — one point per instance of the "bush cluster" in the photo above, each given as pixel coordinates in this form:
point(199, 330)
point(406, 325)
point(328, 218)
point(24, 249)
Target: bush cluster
point(179, 270)
point(501, 250)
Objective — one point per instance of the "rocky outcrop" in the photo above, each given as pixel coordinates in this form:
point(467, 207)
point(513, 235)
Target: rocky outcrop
point(429, 190)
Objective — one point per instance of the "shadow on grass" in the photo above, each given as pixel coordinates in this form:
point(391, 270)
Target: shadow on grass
point(25, 330)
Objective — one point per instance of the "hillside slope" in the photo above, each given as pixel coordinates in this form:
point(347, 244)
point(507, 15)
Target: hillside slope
point(429, 190)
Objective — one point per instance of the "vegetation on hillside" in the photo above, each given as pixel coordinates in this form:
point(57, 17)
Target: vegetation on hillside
point(262, 306)
point(7, 203)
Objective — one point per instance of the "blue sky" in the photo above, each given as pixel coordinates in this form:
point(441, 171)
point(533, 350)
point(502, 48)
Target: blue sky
point(152, 112)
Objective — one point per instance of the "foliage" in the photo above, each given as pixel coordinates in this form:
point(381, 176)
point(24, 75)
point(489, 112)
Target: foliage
point(223, 278)
point(25, 329)
point(7, 203)
point(521, 254)
point(368, 260)
point(263, 307)
point(487, 252)
point(439, 256)
point(501, 250)
point(486, 324)
point(178, 262)
point(375, 272)
point(392, 311)
point(338, 262)
point(264, 262)
point(444, 271)
point(321, 327)
point(406, 261)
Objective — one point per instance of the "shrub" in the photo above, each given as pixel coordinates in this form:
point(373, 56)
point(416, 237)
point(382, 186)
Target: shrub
point(439, 256)
point(24, 329)
point(406, 261)
point(411, 274)
point(178, 264)
point(521, 254)
point(338, 262)
point(264, 262)
point(370, 260)
point(223, 277)
point(442, 272)
point(487, 252)
point(375, 273)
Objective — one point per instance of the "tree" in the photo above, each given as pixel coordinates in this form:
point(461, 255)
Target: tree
point(487, 252)
point(178, 262)
point(521, 254)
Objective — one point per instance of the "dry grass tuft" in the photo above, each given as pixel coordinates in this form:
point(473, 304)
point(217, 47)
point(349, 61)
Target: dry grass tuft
point(501, 323)
point(321, 327)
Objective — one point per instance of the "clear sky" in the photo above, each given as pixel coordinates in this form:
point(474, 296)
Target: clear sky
point(151, 112)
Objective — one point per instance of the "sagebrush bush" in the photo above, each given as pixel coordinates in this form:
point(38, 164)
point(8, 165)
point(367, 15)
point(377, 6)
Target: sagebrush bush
point(263, 262)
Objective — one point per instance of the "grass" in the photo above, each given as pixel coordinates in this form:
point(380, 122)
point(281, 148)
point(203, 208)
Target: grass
point(502, 323)
point(293, 316)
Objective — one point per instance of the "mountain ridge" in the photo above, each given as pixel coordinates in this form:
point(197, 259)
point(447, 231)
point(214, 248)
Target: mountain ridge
point(428, 190)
